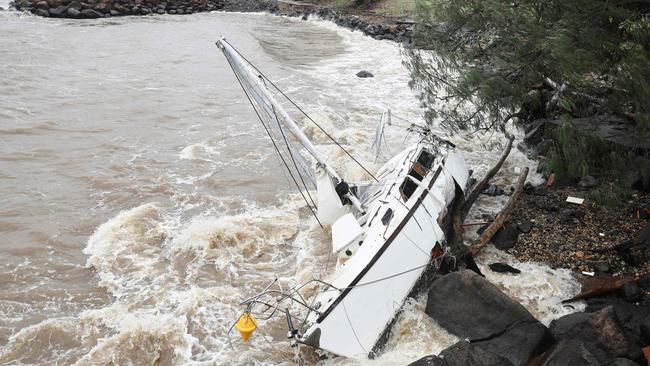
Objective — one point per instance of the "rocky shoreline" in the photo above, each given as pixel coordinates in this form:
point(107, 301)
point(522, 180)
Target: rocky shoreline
point(376, 26)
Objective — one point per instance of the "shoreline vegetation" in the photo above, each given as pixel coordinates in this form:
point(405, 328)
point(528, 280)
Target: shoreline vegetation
point(605, 240)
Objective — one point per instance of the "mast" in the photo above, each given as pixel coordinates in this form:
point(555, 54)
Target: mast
point(287, 121)
point(328, 189)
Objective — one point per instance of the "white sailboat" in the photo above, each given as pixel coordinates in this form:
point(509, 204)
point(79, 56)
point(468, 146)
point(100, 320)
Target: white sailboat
point(385, 233)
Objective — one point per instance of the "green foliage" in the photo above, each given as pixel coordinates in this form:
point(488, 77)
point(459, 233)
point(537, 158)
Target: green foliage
point(489, 58)
point(575, 156)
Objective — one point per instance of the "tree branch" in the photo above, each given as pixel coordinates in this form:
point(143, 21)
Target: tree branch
point(501, 217)
point(480, 186)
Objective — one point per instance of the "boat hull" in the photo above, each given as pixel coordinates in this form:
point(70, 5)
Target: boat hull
point(353, 324)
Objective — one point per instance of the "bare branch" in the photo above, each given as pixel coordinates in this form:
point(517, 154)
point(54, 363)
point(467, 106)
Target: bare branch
point(501, 217)
point(480, 186)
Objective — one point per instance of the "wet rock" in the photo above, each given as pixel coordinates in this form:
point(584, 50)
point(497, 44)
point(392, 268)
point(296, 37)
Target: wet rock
point(429, 361)
point(114, 13)
point(42, 12)
point(525, 227)
point(160, 11)
point(73, 13)
point(42, 5)
point(493, 190)
point(472, 308)
point(629, 315)
point(91, 14)
point(623, 362)
point(506, 237)
point(600, 332)
point(588, 182)
point(364, 74)
point(465, 353)
point(645, 331)
point(630, 292)
point(59, 11)
point(567, 352)
point(503, 268)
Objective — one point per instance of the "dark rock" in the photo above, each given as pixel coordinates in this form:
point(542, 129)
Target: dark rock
point(503, 268)
point(160, 11)
point(59, 11)
point(493, 190)
point(567, 215)
point(365, 74)
point(644, 280)
point(114, 13)
point(90, 14)
point(42, 5)
point(429, 361)
point(630, 315)
point(75, 5)
point(645, 331)
point(588, 182)
point(73, 13)
point(525, 227)
point(172, 11)
point(601, 333)
point(539, 190)
point(623, 362)
point(465, 353)
point(643, 237)
point(602, 267)
point(567, 352)
point(630, 292)
point(472, 308)
point(42, 12)
point(506, 237)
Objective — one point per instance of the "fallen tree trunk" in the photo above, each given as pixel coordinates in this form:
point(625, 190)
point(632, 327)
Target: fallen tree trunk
point(595, 286)
point(501, 217)
point(480, 185)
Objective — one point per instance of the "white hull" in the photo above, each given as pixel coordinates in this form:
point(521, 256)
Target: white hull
point(376, 280)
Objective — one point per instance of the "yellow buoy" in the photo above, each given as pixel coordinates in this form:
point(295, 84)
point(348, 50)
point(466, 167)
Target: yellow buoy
point(246, 325)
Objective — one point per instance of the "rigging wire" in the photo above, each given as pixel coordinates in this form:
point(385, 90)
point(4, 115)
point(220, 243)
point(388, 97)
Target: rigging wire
point(292, 158)
point(275, 145)
point(305, 113)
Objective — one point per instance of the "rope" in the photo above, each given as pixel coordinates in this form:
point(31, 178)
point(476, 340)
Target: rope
point(304, 113)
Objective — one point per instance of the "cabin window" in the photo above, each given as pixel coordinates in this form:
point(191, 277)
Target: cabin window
point(388, 215)
point(419, 170)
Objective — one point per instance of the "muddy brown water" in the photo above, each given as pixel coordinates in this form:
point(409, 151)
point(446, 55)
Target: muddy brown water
point(140, 200)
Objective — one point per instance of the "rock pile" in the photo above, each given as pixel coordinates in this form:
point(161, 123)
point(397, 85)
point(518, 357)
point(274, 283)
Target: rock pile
point(90, 9)
point(498, 331)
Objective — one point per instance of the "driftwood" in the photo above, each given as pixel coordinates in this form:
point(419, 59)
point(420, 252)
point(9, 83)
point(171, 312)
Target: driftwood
point(501, 217)
point(595, 286)
point(480, 185)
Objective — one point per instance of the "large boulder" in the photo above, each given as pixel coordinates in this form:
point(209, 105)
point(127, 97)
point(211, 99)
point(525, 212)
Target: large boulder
point(567, 352)
point(629, 315)
point(601, 333)
point(472, 308)
point(463, 354)
point(59, 11)
point(506, 237)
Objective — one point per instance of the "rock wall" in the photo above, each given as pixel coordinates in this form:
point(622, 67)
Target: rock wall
point(109, 8)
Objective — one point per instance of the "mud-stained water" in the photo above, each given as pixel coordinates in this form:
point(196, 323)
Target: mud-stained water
point(140, 200)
